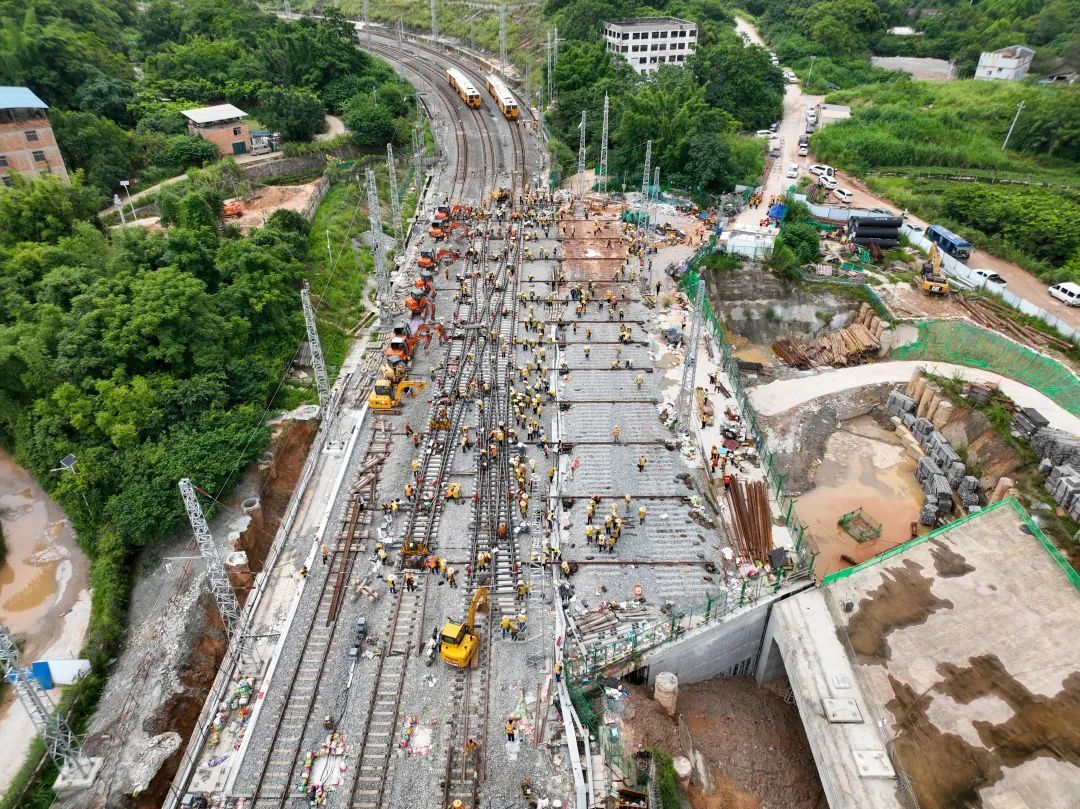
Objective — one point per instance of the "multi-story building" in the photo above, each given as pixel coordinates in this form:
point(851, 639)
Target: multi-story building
point(649, 43)
point(27, 144)
point(1005, 64)
point(223, 125)
point(830, 113)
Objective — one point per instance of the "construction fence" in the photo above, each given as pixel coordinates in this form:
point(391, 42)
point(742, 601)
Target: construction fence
point(963, 343)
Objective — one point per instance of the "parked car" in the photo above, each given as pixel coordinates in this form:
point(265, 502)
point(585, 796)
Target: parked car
point(1067, 292)
point(763, 133)
point(793, 170)
point(827, 182)
point(990, 277)
point(774, 151)
point(804, 150)
point(843, 195)
point(821, 170)
point(773, 126)
point(882, 211)
point(810, 128)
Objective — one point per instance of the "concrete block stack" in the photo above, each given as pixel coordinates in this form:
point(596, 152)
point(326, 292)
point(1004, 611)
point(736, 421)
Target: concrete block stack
point(922, 428)
point(1063, 483)
point(1029, 421)
point(898, 404)
point(926, 468)
point(968, 491)
point(936, 489)
point(1057, 445)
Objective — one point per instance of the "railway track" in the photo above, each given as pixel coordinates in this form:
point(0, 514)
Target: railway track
point(277, 778)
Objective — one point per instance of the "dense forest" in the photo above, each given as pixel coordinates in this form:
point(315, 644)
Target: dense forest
point(116, 79)
point(692, 116)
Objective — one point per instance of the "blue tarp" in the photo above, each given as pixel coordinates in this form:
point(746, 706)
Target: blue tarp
point(777, 211)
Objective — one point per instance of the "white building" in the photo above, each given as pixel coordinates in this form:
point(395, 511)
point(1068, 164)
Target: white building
point(648, 43)
point(1005, 64)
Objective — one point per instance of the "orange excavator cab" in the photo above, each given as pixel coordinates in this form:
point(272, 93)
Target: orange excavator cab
point(399, 349)
point(419, 304)
point(442, 212)
point(427, 257)
point(436, 230)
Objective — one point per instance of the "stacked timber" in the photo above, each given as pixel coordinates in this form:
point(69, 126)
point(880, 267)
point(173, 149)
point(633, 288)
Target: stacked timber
point(993, 316)
point(847, 346)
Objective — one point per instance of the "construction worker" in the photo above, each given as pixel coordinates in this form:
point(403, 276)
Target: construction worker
point(410, 581)
point(514, 629)
point(611, 544)
point(453, 491)
point(728, 480)
point(522, 590)
point(302, 572)
point(457, 804)
point(471, 748)
point(451, 577)
point(585, 349)
point(615, 433)
point(483, 560)
point(442, 566)
point(641, 464)
point(627, 499)
point(551, 473)
point(557, 671)
point(409, 491)
point(432, 563)
point(522, 620)
point(639, 380)
point(325, 554)
point(641, 512)
point(590, 531)
point(391, 582)
point(609, 521)
point(504, 626)
point(509, 729)
point(523, 505)
point(380, 552)
point(564, 566)
point(588, 334)
point(590, 510)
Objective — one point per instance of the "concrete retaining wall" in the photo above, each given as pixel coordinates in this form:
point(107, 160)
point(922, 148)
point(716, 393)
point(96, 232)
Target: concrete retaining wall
point(728, 648)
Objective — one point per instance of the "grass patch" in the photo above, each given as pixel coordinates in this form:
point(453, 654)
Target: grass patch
point(665, 780)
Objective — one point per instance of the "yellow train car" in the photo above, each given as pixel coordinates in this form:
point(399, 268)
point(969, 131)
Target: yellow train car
point(464, 88)
point(508, 105)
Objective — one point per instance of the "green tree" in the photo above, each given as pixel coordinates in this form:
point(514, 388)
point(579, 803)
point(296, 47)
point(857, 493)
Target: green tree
point(743, 82)
point(101, 148)
point(44, 209)
point(296, 114)
point(370, 123)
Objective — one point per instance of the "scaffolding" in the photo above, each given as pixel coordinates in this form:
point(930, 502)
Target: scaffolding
point(859, 525)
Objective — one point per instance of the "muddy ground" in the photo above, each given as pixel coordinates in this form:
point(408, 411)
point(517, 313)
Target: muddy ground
point(752, 740)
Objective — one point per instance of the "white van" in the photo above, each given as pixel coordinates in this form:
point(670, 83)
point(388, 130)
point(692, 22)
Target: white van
point(1067, 292)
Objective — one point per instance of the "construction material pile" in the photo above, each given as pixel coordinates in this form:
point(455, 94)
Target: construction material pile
point(749, 519)
point(1063, 483)
point(1057, 446)
point(994, 316)
point(847, 346)
point(1060, 452)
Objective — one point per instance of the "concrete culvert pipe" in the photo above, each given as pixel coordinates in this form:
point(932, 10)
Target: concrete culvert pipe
point(666, 691)
point(250, 505)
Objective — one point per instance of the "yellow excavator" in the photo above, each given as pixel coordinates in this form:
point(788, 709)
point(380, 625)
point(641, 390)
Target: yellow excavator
point(933, 282)
point(458, 640)
point(385, 396)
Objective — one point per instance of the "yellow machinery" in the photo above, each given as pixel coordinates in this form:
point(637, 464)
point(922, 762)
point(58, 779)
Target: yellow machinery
point(458, 641)
point(384, 396)
point(500, 194)
point(933, 282)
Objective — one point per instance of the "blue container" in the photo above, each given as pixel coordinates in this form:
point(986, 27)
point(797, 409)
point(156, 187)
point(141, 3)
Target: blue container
point(42, 674)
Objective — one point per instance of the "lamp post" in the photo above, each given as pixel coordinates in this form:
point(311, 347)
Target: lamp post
point(126, 185)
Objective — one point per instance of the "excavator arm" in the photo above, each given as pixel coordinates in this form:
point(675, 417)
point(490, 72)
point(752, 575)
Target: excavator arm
point(479, 602)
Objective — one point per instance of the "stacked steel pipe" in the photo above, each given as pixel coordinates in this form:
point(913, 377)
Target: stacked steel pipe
point(750, 520)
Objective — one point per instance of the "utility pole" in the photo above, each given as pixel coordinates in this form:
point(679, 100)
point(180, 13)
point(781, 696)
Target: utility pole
point(434, 25)
point(550, 68)
point(1019, 109)
point(367, 26)
point(654, 199)
point(417, 153)
point(602, 168)
point(502, 36)
point(810, 72)
point(400, 34)
point(222, 591)
point(528, 79)
point(644, 201)
point(581, 153)
point(288, 9)
point(555, 51)
point(378, 254)
point(686, 390)
point(395, 200)
point(318, 365)
point(60, 742)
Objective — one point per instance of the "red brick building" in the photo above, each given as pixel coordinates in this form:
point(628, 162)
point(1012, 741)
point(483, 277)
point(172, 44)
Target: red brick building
point(27, 144)
point(223, 125)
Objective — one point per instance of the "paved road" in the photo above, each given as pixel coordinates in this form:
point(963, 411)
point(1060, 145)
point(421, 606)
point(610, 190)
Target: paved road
point(780, 396)
point(1020, 281)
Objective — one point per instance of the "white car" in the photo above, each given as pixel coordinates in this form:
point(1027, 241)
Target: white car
point(821, 170)
point(764, 133)
point(827, 182)
point(804, 150)
point(793, 171)
point(990, 277)
point(1067, 292)
point(842, 194)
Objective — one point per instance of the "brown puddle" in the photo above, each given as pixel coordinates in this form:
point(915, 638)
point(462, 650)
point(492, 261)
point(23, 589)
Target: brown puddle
point(45, 568)
point(864, 467)
point(946, 770)
point(903, 598)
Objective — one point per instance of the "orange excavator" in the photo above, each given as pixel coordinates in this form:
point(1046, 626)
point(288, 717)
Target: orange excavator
point(419, 305)
point(424, 282)
point(433, 258)
point(440, 229)
point(442, 212)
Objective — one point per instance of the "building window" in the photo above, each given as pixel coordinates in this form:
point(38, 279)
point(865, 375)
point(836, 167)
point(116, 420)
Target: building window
point(656, 35)
point(6, 180)
point(39, 156)
point(641, 61)
point(624, 49)
point(238, 130)
point(3, 161)
point(31, 136)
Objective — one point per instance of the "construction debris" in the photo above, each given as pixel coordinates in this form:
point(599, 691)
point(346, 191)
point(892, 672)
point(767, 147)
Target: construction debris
point(992, 316)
